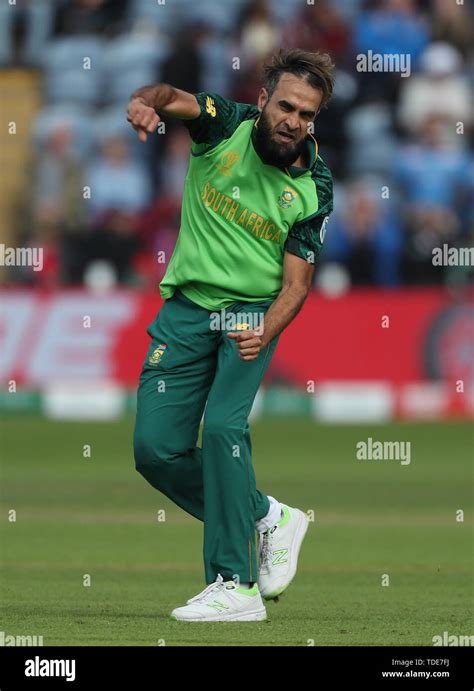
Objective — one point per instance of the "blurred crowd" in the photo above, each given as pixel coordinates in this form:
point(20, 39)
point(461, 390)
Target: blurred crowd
point(399, 146)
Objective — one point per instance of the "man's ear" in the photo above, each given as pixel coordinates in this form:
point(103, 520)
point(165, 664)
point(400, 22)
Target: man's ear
point(262, 98)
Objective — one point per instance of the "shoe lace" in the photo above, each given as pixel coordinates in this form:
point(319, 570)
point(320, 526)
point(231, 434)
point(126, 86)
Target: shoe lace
point(210, 590)
point(266, 547)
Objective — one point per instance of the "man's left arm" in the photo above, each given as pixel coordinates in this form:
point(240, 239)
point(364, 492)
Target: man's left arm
point(302, 249)
point(297, 280)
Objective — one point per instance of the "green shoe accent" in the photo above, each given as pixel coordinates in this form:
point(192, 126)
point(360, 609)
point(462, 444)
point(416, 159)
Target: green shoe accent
point(285, 518)
point(248, 591)
point(280, 556)
point(218, 606)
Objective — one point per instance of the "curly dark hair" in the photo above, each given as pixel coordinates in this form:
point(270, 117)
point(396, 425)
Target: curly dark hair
point(317, 68)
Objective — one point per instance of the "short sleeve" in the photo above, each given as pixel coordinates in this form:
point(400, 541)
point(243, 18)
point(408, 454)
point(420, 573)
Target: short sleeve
point(306, 238)
point(219, 118)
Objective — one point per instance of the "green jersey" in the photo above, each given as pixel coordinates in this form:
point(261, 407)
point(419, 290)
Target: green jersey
point(239, 215)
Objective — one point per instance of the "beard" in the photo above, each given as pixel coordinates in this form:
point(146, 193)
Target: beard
point(271, 152)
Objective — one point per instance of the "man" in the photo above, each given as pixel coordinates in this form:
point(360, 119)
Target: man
point(256, 198)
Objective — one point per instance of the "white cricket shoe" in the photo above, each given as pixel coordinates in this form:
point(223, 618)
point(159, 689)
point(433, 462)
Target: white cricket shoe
point(279, 547)
point(223, 601)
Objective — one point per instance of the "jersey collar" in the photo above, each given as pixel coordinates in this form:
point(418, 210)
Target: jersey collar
point(311, 149)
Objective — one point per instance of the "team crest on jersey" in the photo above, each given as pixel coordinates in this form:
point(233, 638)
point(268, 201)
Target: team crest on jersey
point(157, 354)
point(287, 197)
point(210, 107)
point(227, 162)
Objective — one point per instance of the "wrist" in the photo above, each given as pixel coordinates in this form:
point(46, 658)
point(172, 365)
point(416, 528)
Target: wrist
point(138, 101)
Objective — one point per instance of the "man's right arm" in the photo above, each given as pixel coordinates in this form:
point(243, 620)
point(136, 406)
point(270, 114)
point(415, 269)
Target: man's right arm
point(147, 103)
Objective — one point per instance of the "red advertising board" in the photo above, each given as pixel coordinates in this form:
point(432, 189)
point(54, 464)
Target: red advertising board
point(366, 335)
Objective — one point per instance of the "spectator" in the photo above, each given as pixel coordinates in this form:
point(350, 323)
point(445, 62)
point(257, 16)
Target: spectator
point(183, 66)
point(432, 172)
point(256, 37)
point(58, 180)
point(366, 238)
point(390, 27)
point(258, 32)
point(451, 23)
point(75, 17)
point(24, 30)
point(174, 163)
point(393, 27)
point(115, 241)
point(320, 27)
point(439, 89)
point(158, 231)
point(117, 183)
point(433, 178)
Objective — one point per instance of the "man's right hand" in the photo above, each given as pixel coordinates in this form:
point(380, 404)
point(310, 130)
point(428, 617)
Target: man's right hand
point(143, 118)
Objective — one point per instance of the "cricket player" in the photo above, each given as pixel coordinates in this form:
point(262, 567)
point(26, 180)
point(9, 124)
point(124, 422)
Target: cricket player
point(256, 199)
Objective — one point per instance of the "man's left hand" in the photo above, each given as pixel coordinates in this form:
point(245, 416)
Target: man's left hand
point(248, 342)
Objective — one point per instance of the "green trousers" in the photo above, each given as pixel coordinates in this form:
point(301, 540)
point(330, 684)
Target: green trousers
point(192, 366)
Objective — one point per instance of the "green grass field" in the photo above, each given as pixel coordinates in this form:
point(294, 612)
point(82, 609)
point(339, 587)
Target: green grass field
point(98, 516)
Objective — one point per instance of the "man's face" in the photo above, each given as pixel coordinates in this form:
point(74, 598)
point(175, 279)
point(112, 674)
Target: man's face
point(284, 119)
